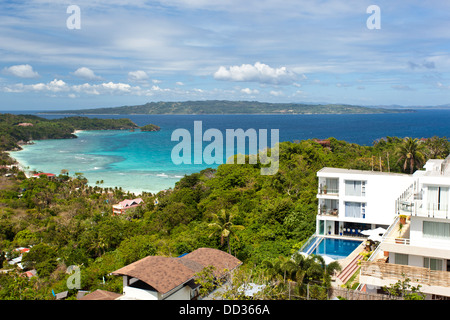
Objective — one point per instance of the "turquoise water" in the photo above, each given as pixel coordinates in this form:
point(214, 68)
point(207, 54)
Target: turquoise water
point(136, 161)
point(141, 161)
point(335, 248)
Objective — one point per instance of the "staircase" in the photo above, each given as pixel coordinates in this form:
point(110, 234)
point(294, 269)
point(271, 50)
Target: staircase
point(349, 269)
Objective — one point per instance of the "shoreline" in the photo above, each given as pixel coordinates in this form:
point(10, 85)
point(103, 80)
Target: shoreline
point(28, 173)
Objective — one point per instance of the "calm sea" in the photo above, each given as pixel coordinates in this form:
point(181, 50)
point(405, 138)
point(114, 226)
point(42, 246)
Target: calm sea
point(141, 161)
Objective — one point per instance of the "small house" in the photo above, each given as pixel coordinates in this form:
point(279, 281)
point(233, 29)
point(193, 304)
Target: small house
point(124, 205)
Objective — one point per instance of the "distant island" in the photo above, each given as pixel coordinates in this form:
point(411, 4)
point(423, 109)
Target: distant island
point(150, 127)
point(231, 107)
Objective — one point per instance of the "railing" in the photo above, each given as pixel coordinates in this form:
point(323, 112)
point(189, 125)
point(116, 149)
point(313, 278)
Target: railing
point(396, 272)
point(328, 191)
point(308, 242)
point(329, 212)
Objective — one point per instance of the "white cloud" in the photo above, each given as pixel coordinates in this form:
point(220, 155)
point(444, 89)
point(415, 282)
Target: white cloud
point(52, 86)
point(179, 83)
point(21, 71)
point(86, 73)
point(249, 91)
point(276, 93)
point(138, 75)
point(259, 72)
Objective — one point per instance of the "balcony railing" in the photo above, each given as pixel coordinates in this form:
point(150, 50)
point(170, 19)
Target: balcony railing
point(328, 191)
point(419, 209)
point(329, 212)
point(395, 272)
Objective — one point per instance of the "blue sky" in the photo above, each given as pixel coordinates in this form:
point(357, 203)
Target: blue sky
point(133, 52)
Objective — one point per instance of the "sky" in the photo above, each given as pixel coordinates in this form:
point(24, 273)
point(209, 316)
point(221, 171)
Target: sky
point(77, 54)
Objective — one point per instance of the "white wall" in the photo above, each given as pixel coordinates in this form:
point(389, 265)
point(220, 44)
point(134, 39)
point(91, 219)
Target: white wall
point(182, 294)
point(139, 294)
point(381, 192)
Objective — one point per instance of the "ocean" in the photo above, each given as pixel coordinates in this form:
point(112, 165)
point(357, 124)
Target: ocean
point(141, 161)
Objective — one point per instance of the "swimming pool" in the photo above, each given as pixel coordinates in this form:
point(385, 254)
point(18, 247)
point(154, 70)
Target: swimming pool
point(332, 247)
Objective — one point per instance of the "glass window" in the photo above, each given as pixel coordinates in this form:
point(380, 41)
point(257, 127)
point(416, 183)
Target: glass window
point(438, 198)
point(436, 230)
point(355, 188)
point(354, 209)
point(401, 258)
point(432, 264)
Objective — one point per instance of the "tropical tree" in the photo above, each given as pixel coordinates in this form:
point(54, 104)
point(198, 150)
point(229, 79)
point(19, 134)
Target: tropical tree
point(411, 154)
point(303, 270)
point(223, 225)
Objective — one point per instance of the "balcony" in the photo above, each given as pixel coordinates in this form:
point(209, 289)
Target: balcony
point(419, 209)
point(379, 273)
point(328, 186)
point(329, 212)
point(328, 207)
point(324, 191)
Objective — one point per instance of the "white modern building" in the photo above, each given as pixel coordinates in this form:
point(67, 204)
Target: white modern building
point(414, 211)
point(350, 201)
point(417, 248)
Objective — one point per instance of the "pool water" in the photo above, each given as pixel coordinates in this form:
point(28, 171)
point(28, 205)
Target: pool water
point(334, 248)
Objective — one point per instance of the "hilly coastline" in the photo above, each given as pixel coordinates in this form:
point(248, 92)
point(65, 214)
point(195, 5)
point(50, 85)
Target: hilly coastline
point(232, 107)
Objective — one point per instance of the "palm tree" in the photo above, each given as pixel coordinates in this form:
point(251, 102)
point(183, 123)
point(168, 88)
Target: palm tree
point(224, 226)
point(410, 153)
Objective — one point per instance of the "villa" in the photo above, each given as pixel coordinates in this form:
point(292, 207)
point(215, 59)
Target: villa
point(405, 216)
point(124, 205)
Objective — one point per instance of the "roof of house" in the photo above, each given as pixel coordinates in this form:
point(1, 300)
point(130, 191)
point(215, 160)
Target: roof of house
point(327, 170)
point(43, 173)
point(167, 273)
point(129, 203)
point(101, 295)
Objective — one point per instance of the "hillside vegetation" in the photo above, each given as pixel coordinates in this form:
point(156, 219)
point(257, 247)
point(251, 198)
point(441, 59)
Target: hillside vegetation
point(267, 218)
point(19, 129)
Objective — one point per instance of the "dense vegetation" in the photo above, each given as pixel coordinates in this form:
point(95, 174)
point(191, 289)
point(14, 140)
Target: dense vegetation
point(261, 220)
point(150, 127)
point(232, 107)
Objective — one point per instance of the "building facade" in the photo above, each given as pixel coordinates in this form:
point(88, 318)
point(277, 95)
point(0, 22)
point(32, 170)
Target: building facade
point(351, 201)
point(418, 247)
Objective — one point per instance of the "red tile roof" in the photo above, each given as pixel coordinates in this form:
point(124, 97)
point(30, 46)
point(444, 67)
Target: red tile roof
point(45, 174)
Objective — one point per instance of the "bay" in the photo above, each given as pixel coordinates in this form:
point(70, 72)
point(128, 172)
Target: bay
point(141, 161)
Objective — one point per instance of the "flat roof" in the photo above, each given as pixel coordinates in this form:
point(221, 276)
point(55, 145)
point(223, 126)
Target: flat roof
point(365, 172)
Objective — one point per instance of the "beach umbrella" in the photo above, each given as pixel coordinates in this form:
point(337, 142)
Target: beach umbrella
point(376, 231)
point(379, 230)
point(327, 259)
point(375, 237)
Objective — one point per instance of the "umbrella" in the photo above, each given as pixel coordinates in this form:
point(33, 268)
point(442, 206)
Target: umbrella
point(379, 230)
point(327, 259)
point(375, 237)
point(376, 231)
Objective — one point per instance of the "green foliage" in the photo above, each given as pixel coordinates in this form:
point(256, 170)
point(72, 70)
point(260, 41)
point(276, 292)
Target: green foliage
point(150, 127)
point(404, 289)
point(233, 208)
point(41, 257)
